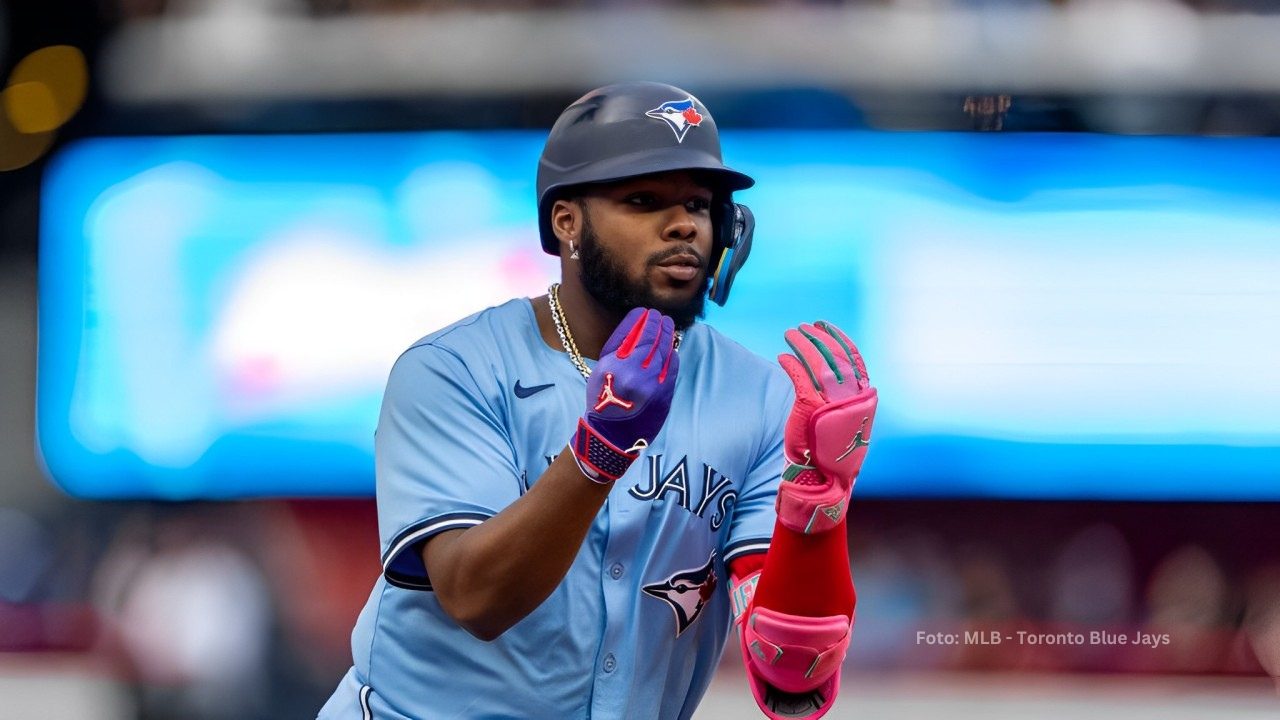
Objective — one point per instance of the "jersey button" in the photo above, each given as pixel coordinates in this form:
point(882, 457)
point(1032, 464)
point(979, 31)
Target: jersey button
point(610, 663)
point(615, 572)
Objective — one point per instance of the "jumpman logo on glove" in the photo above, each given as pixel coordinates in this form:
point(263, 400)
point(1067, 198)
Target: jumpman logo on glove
point(607, 397)
point(857, 441)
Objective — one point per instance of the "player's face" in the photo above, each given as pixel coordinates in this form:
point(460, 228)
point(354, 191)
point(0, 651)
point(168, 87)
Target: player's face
point(647, 243)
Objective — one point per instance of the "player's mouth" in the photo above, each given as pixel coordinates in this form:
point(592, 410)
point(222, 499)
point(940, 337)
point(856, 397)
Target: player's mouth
point(681, 268)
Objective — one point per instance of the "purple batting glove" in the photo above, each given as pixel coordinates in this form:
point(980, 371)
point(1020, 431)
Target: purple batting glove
point(628, 395)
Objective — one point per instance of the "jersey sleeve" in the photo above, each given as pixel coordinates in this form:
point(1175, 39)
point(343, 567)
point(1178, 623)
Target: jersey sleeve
point(443, 459)
point(754, 513)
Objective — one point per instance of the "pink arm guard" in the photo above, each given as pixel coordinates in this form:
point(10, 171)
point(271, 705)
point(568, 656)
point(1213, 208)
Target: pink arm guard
point(793, 663)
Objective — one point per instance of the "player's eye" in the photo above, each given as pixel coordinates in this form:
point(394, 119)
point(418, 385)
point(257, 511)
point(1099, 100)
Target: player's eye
point(640, 199)
point(698, 205)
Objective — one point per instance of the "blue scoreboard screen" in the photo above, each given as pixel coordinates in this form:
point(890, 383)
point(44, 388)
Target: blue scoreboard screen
point(1045, 316)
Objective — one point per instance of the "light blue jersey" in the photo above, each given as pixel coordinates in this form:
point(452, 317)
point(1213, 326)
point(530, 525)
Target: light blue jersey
point(472, 416)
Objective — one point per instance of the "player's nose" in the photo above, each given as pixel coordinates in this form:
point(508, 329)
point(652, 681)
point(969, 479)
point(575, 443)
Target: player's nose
point(681, 224)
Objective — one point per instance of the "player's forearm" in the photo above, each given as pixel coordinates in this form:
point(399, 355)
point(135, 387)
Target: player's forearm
point(796, 621)
point(489, 577)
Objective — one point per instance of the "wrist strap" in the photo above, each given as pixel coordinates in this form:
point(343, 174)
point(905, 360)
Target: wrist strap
point(600, 460)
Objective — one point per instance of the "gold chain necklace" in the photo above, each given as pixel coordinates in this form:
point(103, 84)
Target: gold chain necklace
point(566, 337)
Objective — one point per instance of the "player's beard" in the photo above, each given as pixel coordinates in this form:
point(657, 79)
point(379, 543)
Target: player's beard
point(606, 280)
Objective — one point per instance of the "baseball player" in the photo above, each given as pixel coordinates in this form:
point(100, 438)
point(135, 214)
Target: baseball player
point(579, 494)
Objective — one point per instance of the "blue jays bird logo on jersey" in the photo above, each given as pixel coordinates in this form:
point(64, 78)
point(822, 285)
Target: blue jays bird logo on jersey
point(679, 115)
point(687, 593)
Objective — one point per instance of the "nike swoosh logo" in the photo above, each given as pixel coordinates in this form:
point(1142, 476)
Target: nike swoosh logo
point(524, 392)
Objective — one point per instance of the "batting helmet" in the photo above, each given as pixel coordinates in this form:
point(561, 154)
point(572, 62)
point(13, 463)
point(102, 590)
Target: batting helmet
point(638, 128)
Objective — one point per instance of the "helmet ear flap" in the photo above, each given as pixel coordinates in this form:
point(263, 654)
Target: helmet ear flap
point(733, 225)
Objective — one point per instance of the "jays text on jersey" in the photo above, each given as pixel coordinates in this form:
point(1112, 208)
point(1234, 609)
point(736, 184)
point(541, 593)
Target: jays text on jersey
point(473, 414)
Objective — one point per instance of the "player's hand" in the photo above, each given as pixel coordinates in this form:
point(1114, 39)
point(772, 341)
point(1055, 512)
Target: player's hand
point(628, 395)
point(829, 428)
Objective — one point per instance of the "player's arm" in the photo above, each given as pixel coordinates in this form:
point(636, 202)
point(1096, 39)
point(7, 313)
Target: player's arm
point(795, 605)
point(490, 576)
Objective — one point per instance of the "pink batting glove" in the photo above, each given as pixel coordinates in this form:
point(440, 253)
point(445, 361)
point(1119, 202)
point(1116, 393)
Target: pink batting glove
point(828, 430)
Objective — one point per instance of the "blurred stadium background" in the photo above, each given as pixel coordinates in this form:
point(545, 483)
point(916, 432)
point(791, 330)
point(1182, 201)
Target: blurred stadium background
point(1055, 226)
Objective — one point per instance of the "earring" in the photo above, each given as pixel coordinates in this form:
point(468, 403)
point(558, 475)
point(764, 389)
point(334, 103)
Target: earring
point(573, 252)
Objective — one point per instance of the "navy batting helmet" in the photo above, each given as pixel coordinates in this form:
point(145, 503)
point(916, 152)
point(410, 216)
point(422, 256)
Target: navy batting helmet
point(638, 128)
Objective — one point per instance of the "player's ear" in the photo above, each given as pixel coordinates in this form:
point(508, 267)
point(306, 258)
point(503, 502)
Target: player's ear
point(566, 222)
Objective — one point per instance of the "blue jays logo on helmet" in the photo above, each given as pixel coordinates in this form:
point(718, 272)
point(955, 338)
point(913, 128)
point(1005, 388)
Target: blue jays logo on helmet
point(679, 115)
point(687, 593)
